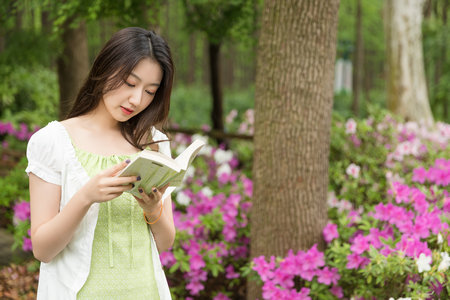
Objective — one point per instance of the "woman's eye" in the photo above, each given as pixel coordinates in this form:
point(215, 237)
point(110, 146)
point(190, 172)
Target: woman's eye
point(129, 84)
point(150, 93)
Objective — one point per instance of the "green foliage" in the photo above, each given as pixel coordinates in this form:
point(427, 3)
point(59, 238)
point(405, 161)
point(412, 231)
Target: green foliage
point(220, 19)
point(15, 185)
point(28, 94)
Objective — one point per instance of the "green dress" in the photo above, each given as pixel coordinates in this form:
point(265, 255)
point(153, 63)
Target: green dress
point(121, 265)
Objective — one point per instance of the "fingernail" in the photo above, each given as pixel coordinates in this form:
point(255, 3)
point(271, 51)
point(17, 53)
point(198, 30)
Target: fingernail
point(138, 178)
point(154, 190)
point(141, 191)
point(128, 161)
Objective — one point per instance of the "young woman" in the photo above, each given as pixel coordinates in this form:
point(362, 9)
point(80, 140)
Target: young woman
point(94, 240)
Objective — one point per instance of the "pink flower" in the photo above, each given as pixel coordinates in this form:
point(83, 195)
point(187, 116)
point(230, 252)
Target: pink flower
point(353, 170)
point(195, 287)
point(360, 244)
point(230, 273)
point(27, 246)
point(22, 210)
point(196, 261)
point(330, 232)
point(167, 258)
point(354, 261)
point(221, 296)
point(420, 175)
point(263, 268)
point(337, 291)
point(350, 126)
point(327, 276)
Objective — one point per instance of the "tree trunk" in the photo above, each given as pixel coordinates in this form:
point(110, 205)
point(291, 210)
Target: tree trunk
point(444, 56)
point(358, 60)
point(406, 86)
point(293, 105)
point(190, 79)
point(73, 65)
point(216, 88)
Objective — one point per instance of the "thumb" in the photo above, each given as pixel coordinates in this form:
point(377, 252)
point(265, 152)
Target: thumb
point(117, 168)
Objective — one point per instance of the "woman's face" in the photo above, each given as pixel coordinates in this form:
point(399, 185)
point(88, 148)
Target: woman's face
point(136, 93)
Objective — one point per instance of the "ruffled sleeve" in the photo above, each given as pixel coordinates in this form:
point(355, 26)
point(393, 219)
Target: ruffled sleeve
point(164, 148)
point(44, 159)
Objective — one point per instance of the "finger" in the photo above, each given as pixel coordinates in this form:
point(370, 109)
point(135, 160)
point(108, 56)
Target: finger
point(117, 168)
point(118, 189)
point(122, 180)
point(156, 193)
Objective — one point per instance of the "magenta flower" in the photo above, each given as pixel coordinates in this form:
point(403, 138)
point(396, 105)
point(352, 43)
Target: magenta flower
point(354, 261)
point(263, 268)
point(330, 232)
point(27, 246)
point(221, 296)
point(360, 244)
point(327, 276)
point(167, 259)
point(22, 210)
point(230, 273)
point(196, 261)
point(420, 175)
point(337, 291)
point(195, 287)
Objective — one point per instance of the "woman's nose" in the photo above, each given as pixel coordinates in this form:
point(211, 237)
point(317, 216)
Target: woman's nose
point(135, 98)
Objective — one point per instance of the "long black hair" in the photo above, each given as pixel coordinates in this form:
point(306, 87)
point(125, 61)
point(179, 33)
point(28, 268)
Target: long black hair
point(111, 68)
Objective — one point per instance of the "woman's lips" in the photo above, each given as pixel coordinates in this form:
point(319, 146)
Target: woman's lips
point(126, 110)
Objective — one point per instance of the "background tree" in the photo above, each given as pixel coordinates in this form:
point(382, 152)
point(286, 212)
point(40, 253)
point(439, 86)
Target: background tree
point(293, 103)
point(407, 93)
point(218, 19)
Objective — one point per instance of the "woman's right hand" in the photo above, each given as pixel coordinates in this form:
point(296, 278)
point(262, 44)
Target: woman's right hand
point(106, 186)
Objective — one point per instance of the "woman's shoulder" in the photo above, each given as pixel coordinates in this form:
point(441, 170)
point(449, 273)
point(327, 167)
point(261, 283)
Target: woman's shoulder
point(48, 132)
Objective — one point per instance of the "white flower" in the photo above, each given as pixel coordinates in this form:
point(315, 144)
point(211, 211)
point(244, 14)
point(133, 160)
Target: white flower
point(200, 137)
point(205, 150)
point(180, 149)
point(223, 169)
point(183, 199)
point(223, 156)
point(206, 191)
point(440, 239)
point(353, 170)
point(350, 126)
point(445, 263)
point(423, 263)
point(190, 172)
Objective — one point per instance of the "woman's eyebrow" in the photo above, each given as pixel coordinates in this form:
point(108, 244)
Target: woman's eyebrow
point(138, 78)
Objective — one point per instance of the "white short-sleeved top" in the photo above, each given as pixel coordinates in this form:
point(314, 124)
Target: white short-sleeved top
point(51, 156)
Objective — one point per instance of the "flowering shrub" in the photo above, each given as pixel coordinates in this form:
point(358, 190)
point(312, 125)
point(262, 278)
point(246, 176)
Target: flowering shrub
point(210, 214)
point(389, 209)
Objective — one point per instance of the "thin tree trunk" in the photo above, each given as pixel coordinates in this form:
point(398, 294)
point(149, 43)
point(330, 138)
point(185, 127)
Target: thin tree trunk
point(190, 79)
point(73, 65)
point(407, 93)
point(444, 55)
point(293, 104)
point(216, 88)
point(358, 60)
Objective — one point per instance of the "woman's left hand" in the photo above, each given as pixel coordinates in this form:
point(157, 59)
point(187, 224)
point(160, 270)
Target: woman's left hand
point(152, 201)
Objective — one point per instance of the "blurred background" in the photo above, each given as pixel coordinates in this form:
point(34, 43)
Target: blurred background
point(47, 47)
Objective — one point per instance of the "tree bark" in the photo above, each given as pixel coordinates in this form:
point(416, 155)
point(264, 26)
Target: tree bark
point(293, 105)
point(407, 93)
point(358, 60)
point(73, 65)
point(216, 88)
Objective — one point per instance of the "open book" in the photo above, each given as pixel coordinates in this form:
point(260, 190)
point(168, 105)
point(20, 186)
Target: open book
point(157, 169)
